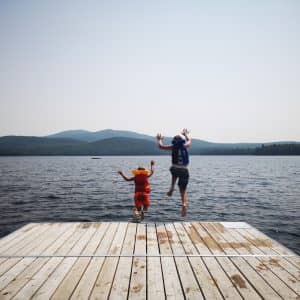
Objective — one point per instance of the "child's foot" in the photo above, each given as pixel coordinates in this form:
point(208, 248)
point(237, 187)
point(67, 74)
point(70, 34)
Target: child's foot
point(142, 215)
point(170, 192)
point(183, 211)
point(184, 208)
point(136, 213)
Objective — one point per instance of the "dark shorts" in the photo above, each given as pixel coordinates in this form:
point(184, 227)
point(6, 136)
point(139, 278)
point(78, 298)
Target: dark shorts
point(182, 174)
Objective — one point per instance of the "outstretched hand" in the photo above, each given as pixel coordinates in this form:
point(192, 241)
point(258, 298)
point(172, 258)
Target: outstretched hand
point(120, 172)
point(152, 162)
point(159, 137)
point(185, 132)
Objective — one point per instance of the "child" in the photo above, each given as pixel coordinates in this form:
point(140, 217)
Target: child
point(180, 161)
point(142, 189)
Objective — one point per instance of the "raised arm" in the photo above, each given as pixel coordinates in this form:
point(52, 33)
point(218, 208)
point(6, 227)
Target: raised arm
point(186, 133)
point(151, 169)
point(125, 178)
point(160, 143)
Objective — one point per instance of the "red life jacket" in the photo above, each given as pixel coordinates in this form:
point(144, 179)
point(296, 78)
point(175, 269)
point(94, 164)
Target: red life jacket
point(141, 184)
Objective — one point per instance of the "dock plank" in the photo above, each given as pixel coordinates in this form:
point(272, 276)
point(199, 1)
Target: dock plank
point(181, 260)
point(138, 282)
point(20, 264)
point(90, 275)
point(240, 245)
point(189, 239)
point(105, 278)
point(171, 279)
point(155, 283)
point(121, 281)
point(13, 237)
point(37, 280)
point(71, 280)
point(40, 244)
point(216, 266)
point(278, 248)
point(25, 245)
point(188, 281)
point(34, 264)
point(65, 264)
point(29, 238)
point(286, 271)
point(238, 278)
point(273, 274)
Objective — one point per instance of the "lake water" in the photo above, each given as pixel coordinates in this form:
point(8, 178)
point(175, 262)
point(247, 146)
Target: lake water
point(263, 191)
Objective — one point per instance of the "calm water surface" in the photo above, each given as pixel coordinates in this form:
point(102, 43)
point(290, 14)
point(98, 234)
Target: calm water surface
point(263, 191)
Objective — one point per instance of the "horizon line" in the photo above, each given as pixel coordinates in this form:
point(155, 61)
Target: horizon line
point(167, 136)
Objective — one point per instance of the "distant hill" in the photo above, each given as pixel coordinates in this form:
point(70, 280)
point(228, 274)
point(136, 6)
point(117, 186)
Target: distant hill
point(278, 149)
point(118, 146)
point(89, 136)
point(117, 142)
point(16, 145)
point(29, 145)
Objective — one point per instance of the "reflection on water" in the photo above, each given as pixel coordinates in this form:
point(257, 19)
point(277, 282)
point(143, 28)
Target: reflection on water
point(263, 191)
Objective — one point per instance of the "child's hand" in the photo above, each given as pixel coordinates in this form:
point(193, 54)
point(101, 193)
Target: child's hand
point(152, 163)
point(185, 132)
point(120, 172)
point(159, 137)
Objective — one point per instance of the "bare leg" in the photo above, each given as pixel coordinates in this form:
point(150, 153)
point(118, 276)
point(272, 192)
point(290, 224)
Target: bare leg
point(136, 213)
point(144, 210)
point(183, 200)
point(171, 190)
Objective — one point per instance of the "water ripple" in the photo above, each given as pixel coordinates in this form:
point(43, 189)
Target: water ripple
point(263, 191)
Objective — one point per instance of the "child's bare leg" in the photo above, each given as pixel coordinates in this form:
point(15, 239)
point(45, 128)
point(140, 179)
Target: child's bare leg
point(183, 196)
point(171, 190)
point(136, 212)
point(183, 200)
point(144, 210)
point(183, 211)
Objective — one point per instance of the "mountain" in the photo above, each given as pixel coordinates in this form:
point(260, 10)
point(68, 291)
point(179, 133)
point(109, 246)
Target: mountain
point(118, 142)
point(19, 145)
point(279, 149)
point(118, 146)
point(210, 145)
point(89, 136)
point(29, 145)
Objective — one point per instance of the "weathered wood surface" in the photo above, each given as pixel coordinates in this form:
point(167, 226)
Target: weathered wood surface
point(190, 260)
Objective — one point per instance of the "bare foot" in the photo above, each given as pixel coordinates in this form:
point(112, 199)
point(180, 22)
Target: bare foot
point(170, 192)
point(142, 215)
point(136, 213)
point(183, 211)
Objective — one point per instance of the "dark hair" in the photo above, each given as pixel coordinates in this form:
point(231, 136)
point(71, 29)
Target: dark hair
point(178, 141)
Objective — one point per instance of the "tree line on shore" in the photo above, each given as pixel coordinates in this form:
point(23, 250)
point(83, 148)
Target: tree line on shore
point(278, 149)
point(128, 146)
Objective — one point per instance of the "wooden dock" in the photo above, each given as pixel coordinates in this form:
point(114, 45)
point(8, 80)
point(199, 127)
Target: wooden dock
point(146, 261)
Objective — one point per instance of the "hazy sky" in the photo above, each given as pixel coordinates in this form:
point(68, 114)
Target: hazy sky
point(227, 70)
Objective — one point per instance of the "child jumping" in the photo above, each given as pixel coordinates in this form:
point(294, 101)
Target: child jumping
point(180, 161)
point(142, 189)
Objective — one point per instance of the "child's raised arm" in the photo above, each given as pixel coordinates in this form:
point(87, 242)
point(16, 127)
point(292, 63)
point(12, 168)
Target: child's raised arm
point(160, 143)
point(151, 169)
point(125, 178)
point(186, 133)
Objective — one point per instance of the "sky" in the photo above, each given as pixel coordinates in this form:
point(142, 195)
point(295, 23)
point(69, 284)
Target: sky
point(227, 70)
